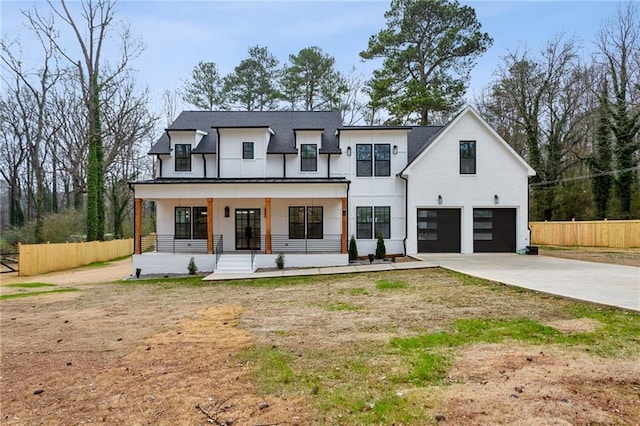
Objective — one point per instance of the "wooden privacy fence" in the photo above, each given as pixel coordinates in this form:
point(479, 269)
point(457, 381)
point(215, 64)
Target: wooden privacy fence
point(601, 233)
point(41, 258)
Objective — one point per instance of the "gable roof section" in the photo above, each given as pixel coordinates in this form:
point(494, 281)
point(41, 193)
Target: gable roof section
point(428, 144)
point(419, 138)
point(282, 123)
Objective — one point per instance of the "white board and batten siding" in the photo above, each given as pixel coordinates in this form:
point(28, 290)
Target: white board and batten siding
point(375, 190)
point(499, 172)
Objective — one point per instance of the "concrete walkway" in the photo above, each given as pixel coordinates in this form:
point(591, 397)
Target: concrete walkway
point(606, 284)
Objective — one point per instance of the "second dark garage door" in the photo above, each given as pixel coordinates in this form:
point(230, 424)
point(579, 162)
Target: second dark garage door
point(438, 230)
point(494, 230)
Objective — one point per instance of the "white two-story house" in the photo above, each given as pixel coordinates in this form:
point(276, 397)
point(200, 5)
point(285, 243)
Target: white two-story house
point(234, 189)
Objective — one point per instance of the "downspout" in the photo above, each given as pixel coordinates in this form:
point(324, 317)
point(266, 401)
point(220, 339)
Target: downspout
point(348, 187)
point(204, 159)
point(159, 168)
point(328, 166)
point(218, 152)
point(406, 212)
point(284, 165)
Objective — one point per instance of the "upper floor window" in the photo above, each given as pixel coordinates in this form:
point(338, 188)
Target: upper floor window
point(183, 157)
point(308, 157)
point(382, 160)
point(468, 157)
point(373, 160)
point(247, 151)
point(363, 160)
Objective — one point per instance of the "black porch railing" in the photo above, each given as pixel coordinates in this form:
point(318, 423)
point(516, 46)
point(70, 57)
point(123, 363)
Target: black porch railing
point(219, 248)
point(329, 243)
point(170, 244)
point(280, 243)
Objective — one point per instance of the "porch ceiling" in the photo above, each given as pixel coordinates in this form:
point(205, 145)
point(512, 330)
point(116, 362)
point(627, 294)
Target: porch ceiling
point(242, 188)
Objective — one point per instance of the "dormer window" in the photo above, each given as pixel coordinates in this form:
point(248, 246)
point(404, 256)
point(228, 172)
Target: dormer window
point(247, 151)
point(308, 158)
point(183, 157)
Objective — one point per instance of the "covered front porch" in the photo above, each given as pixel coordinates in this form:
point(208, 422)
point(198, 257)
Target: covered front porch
point(305, 222)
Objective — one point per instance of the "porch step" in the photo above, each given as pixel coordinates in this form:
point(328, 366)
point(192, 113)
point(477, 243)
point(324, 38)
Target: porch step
point(234, 264)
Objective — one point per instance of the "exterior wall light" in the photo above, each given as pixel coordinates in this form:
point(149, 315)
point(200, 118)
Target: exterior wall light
point(439, 199)
point(395, 149)
point(226, 211)
point(349, 151)
point(496, 199)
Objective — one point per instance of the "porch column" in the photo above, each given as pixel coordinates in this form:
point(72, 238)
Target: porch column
point(267, 220)
point(343, 244)
point(137, 226)
point(210, 225)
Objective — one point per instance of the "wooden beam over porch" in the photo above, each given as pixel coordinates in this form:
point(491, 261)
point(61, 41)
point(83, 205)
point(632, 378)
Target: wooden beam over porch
point(267, 220)
point(209, 225)
point(343, 245)
point(137, 226)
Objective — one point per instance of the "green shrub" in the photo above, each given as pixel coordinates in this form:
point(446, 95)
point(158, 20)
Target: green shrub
point(371, 256)
point(381, 250)
point(280, 261)
point(353, 249)
point(192, 267)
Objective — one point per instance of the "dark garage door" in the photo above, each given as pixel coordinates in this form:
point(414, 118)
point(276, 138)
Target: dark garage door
point(439, 230)
point(494, 230)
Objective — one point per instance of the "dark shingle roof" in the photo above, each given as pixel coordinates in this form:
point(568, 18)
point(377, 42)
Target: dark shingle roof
point(282, 123)
point(419, 138)
point(207, 144)
point(162, 146)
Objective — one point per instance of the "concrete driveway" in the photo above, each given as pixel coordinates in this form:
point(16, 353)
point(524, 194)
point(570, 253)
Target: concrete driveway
point(594, 282)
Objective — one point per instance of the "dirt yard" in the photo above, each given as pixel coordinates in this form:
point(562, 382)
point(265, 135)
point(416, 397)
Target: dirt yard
point(628, 257)
point(170, 353)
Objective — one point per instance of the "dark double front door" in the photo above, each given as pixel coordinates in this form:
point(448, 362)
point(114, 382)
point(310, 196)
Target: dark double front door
point(247, 229)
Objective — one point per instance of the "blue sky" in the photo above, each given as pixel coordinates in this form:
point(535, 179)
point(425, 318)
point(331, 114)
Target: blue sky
point(179, 34)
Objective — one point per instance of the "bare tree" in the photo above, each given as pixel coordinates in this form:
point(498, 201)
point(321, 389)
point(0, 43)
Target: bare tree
point(30, 90)
point(538, 104)
point(92, 29)
point(13, 155)
point(618, 44)
point(169, 106)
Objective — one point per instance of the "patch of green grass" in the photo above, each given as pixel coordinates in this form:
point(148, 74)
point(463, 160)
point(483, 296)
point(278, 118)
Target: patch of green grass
point(618, 335)
point(107, 262)
point(356, 291)
point(478, 330)
point(271, 369)
point(391, 284)
point(346, 388)
point(340, 306)
point(167, 281)
point(35, 293)
point(30, 285)
point(171, 282)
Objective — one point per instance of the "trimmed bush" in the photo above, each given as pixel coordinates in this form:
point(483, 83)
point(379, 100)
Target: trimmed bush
point(280, 261)
point(381, 250)
point(353, 249)
point(192, 267)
